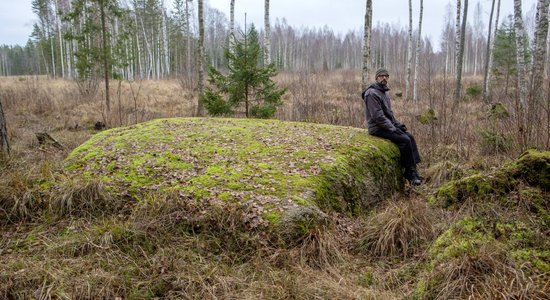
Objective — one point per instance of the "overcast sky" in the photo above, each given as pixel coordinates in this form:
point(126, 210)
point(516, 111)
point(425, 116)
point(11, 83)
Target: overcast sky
point(16, 17)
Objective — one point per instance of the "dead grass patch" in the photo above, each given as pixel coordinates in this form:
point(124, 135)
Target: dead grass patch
point(79, 197)
point(399, 231)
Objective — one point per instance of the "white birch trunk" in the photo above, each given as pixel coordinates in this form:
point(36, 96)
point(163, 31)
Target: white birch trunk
point(200, 108)
point(539, 56)
point(165, 42)
point(188, 37)
point(60, 37)
point(52, 49)
point(138, 54)
point(489, 53)
point(417, 58)
point(409, 55)
point(232, 21)
point(491, 58)
point(460, 58)
point(457, 33)
point(520, 53)
point(267, 35)
point(367, 44)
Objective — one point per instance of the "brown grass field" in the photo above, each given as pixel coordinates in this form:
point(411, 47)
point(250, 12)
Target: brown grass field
point(43, 256)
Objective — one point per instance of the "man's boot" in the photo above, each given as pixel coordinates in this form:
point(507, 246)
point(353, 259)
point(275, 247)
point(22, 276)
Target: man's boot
point(416, 174)
point(412, 176)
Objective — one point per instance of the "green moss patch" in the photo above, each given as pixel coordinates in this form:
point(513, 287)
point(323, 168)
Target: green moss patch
point(273, 169)
point(532, 168)
point(477, 250)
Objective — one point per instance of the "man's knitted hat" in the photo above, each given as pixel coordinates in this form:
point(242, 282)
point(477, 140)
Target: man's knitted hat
point(381, 72)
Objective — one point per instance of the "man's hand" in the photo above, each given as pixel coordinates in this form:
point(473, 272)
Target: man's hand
point(398, 131)
point(402, 127)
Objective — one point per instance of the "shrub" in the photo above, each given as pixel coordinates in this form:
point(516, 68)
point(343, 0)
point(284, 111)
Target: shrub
point(494, 142)
point(474, 91)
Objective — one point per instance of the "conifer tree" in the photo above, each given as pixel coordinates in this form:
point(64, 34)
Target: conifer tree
point(248, 86)
point(95, 55)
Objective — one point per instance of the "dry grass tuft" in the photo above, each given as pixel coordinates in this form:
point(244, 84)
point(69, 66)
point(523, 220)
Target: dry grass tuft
point(77, 197)
point(19, 198)
point(321, 248)
point(399, 231)
point(486, 274)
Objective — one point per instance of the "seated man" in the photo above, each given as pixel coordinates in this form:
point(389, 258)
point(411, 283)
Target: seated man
point(382, 123)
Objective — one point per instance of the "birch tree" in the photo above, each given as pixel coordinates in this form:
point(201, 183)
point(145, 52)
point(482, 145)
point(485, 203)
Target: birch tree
point(60, 38)
point(200, 106)
point(460, 55)
point(539, 55)
point(409, 54)
point(489, 53)
point(367, 44)
point(105, 44)
point(267, 35)
point(232, 23)
point(457, 32)
point(520, 54)
point(478, 34)
point(417, 58)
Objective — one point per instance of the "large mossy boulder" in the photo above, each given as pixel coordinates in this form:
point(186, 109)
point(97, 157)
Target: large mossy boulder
point(286, 174)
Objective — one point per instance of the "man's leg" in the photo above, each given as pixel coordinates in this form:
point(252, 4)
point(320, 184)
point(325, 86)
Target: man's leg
point(414, 148)
point(405, 145)
point(409, 153)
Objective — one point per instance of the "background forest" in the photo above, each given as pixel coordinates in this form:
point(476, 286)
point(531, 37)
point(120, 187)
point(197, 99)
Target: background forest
point(475, 101)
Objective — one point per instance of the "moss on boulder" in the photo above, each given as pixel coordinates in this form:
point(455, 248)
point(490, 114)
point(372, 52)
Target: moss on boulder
point(281, 172)
point(502, 229)
point(532, 168)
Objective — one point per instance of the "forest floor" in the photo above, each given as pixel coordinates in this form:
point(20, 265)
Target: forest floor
point(477, 228)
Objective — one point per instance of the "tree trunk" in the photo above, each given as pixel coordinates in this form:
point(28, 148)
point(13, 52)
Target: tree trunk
point(539, 56)
point(521, 71)
point(188, 37)
point(367, 45)
point(457, 33)
point(460, 58)
point(60, 37)
point(232, 24)
point(165, 44)
point(4, 142)
point(200, 106)
point(537, 74)
point(488, 56)
point(417, 58)
point(106, 52)
point(267, 35)
point(409, 54)
point(520, 52)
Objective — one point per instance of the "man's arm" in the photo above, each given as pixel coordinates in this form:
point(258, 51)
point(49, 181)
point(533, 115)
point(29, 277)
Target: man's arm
point(377, 113)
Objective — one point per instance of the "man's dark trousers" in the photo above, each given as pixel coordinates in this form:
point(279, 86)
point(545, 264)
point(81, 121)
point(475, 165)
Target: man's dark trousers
point(406, 144)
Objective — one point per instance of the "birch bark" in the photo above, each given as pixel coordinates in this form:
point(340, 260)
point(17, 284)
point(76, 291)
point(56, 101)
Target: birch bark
point(417, 58)
point(367, 45)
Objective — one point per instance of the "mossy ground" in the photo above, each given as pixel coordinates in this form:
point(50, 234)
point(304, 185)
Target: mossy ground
point(269, 166)
point(500, 231)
